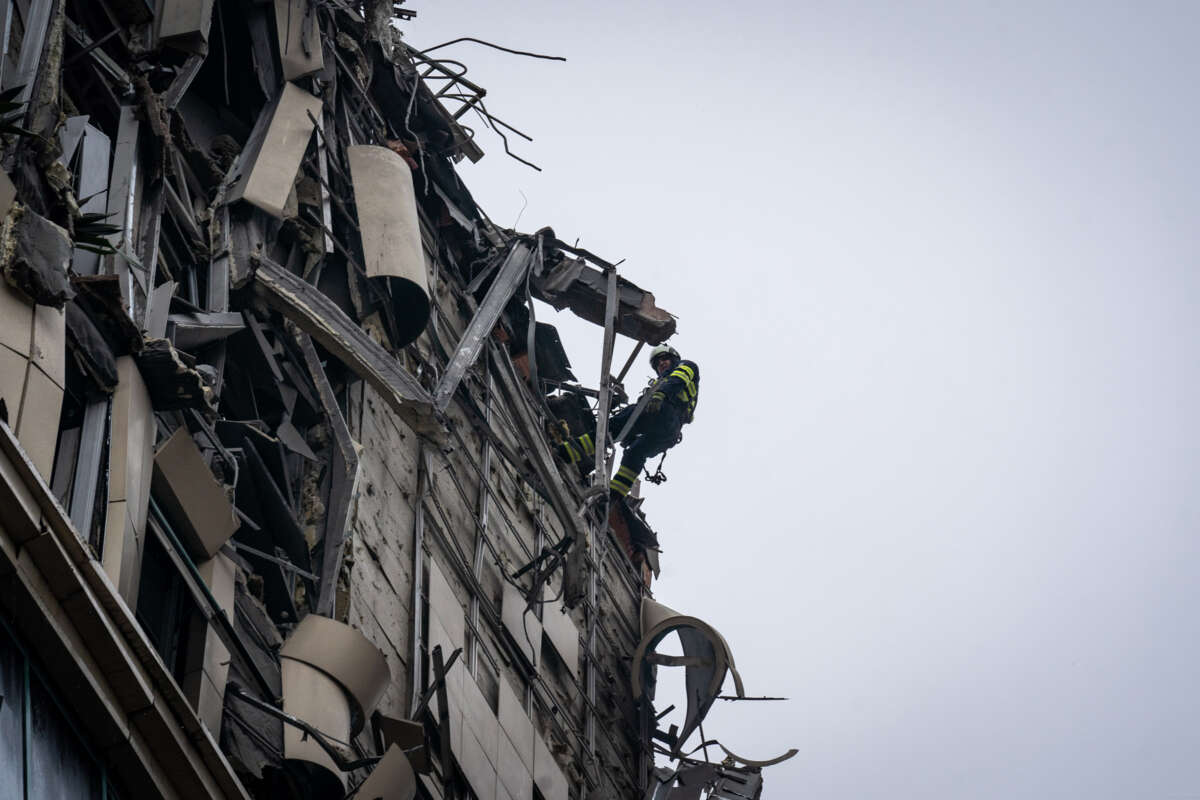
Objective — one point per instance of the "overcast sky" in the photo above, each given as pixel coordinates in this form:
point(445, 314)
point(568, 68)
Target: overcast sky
point(938, 265)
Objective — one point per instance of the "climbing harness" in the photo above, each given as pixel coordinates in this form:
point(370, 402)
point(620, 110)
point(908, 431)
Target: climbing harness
point(659, 477)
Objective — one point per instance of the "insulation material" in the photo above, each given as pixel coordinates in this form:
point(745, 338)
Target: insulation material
point(267, 167)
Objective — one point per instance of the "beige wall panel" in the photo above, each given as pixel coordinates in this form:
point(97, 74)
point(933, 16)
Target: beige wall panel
point(49, 350)
point(290, 28)
point(191, 496)
point(37, 428)
point(16, 319)
point(206, 698)
point(513, 775)
point(13, 367)
point(563, 634)
point(457, 673)
point(133, 431)
point(546, 773)
point(477, 767)
point(516, 725)
point(392, 779)
point(122, 556)
point(479, 719)
point(267, 176)
point(444, 603)
point(526, 629)
point(208, 670)
point(219, 573)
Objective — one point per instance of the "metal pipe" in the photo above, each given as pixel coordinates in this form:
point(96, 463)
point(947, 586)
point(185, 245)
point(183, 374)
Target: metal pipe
point(418, 557)
point(482, 513)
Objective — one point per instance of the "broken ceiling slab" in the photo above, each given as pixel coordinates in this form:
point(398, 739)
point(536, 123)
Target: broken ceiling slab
point(267, 167)
point(196, 504)
point(573, 284)
point(173, 383)
point(391, 233)
point(299, 38)
point(344, 654)
point(319, 316)
point(706, 658)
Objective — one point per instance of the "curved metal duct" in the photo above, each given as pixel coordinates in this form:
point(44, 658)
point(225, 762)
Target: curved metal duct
point(706, 658)
point(311, 695)
point(346, 656)
point(391, 234)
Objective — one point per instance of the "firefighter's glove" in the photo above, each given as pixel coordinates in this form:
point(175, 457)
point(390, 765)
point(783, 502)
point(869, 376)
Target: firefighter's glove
point(656, 401)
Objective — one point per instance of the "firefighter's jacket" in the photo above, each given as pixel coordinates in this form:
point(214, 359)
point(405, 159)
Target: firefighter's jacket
point(681, 389)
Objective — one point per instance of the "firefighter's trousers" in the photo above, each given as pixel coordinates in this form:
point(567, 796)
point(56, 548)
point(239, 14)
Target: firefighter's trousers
point(652, 434)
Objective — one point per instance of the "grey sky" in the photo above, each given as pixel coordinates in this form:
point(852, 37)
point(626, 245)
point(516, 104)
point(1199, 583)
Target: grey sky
point(937, 263)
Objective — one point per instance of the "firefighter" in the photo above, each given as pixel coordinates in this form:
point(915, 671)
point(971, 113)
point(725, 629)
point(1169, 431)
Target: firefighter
point(672, 405)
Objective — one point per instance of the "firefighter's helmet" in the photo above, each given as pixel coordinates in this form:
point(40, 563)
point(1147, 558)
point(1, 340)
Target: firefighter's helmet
point(663, 350)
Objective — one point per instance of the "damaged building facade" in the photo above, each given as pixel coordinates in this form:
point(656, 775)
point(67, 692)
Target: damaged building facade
point(280, 514)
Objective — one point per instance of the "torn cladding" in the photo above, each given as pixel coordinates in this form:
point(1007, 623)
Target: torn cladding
point(277, 418)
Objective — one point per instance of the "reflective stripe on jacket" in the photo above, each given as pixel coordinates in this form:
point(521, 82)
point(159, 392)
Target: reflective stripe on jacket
point(682, 388)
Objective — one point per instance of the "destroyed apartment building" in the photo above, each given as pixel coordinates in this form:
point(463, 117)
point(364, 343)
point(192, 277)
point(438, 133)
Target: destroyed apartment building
point(280, 512)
